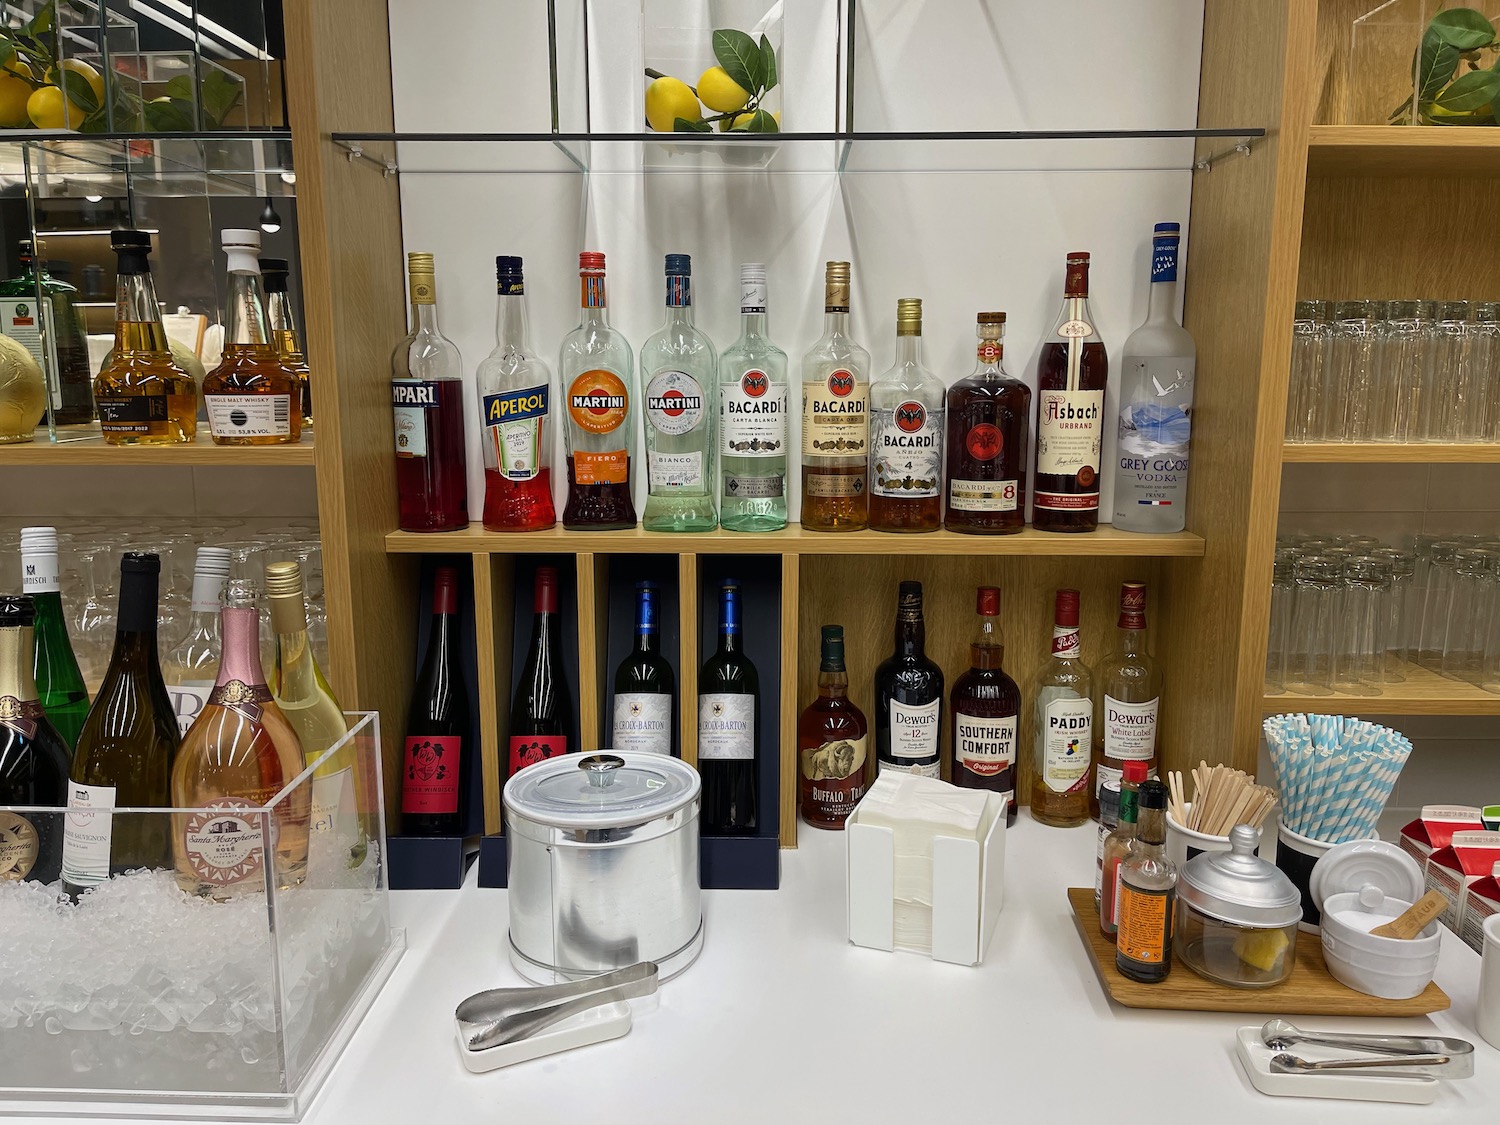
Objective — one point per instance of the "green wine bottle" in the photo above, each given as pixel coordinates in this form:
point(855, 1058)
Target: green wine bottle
point(59, 683)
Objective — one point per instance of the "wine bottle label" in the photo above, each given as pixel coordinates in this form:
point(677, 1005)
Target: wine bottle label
point(411, 399)
point(39, 573)
point(1070, 434)
point(1067, 726)
point(983, 746)
point(240, 416)
point(675, 472)
point(983, 495)
point(674, 403)
point(513, 421)
point(87, 829)
point(835, 421)
point(134, 414)
point(914, 730)
point(907, 444)
point(1144, 920)
point(245, 700)
point(1130, 728)
point(610, 467)
point(752, 413)
point(429, 783)
point(528, 749)
point(754, 488)
point(224, 844)
point(598, 402)
point(643, 721)
point(19, 846)
point(335, 808)
point(188, 700)
point(835, 483)
point(726, 727)
point(833, 777)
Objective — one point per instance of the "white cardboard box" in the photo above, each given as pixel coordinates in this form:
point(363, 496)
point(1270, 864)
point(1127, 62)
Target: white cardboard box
point(968, 887)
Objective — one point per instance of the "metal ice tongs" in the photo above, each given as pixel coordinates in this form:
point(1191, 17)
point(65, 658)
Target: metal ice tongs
point(507, 1015)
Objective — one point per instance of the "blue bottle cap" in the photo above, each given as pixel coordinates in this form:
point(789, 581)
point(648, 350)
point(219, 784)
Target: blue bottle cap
point(645, 586)
point(507, 265)
point(1168, 228)
point(680, 264)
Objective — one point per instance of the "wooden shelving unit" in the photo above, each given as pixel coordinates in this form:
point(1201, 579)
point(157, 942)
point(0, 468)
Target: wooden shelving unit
point(1427, 453)
point(1422, 693)
point(90, 451)
point(1396, 150)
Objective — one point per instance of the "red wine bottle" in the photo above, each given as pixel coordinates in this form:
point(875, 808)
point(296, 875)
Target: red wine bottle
point(437, 731)
point(540, 720)
point(728, 727)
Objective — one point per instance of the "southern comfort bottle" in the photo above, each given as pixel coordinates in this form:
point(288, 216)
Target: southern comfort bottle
point(1071, 375)
point(835, 418)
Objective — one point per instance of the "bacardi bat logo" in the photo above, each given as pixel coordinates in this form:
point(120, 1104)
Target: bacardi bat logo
point(984, 442)
point(841, 383)
point(755, 383)
point(910, 417)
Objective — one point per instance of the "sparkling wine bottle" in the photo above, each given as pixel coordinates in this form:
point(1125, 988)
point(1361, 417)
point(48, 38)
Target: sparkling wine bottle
point(729, 726)
point(540, 720)
point(59, 681)
point(34, 758)
point(190, 668)
point(239, 754)
point(437, 728)
point(644, 686)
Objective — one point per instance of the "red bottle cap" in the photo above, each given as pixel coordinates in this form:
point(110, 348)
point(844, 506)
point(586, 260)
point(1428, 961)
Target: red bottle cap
point(545, 591)
point(988, 601)
point(591, 260)
point(1133, 605)
point(445, 590)
point(1135, 771)
point(1067, 608)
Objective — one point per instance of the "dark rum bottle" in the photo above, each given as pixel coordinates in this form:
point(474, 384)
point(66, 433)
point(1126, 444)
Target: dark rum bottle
point(832, 751)
point(1071, 376)
point(988, 415)
point(909, 695)
point(985, 705)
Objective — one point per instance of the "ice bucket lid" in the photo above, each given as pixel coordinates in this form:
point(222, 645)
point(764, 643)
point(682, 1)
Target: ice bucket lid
point(608, 789)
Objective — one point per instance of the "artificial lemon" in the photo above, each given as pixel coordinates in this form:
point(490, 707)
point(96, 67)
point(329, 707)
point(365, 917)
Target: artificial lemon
point(48, 109)
point(14, 93)
point(742, 121)
point(721, 93)
point(87, 73)
point(667, 99)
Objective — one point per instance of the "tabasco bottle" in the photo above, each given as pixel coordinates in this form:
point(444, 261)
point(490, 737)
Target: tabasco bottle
point(1071, 375)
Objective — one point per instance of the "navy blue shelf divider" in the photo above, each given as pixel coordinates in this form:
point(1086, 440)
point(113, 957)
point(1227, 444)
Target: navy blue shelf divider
point(725, 863)
point(427, 863)
point(492, 861)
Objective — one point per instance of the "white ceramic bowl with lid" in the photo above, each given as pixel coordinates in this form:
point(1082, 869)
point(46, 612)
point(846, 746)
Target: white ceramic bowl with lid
point(1361, 885)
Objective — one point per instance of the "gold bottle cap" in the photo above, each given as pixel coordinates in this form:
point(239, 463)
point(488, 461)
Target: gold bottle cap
point(836, 287)
point(421, 273)
point(992, 318)
point(284, 595)
point(909, 316)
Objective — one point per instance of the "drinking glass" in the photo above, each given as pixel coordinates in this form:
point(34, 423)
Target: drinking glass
point(1281, 623)
point(1305, 404)
point(1437, 603)
point(1317, 582)
point(1403, 344)
point(1469, 613)
point(1360, 626)
point(1489, 673)
point(1443, 391)
point(1482, 367)
point(1399, 603)
point(1351, 371)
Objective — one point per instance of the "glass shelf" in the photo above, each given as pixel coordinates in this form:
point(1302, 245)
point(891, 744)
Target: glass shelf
point(808, 153)
point(227, 162)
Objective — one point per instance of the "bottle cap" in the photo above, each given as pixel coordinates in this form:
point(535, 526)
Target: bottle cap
point(1132, 605)
point(129, 240)
point(240, 238)
point(909, 595)
point(1153, 795)
point(833, 648)
point(1067, 608)
point(679, 265)
point(1168, 228)
point(590, 261)
point(730, 584)
point(239, 593)
point(140, 562)
point(445, 590)
point(991, 318)
point(283, 579)
point(544, 589)
point(644, 586)
point(837, 272)
point(909, 316)
point(988, 601)
point(17, 611)
point(30, 248)
point(1136, 770)
point(1078, 257)
point(274, 270)
point(38, 540)
point(753, 273)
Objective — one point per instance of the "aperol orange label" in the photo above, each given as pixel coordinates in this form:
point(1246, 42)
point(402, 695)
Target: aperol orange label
point(598, 401)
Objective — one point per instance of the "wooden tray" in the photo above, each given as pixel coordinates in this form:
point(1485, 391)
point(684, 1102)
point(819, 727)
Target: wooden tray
point(1309, 991)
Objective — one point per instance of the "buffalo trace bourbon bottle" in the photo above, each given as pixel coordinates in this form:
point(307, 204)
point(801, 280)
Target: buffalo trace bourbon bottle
point(515, 403)
point(190, 668)
point(835, 418)
point(728, 726)
point(59, 681)
point(595, 369)
point(985, 705)
point(1062, 721)
point(427, 395)
point(644, 686)
point(251, 398)
point(752, 418)
point(1156, 404)
point(437, 725)
point(906, 435)
point(1128, 697)
point(541, 722)
point(144, 398)
point(1071, 376)
point(909, 695)
point(988, 415)
point(832, 743)
point(678, 370)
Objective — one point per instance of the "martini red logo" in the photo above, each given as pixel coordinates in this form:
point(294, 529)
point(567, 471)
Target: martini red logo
point(755, 383)
point(674, 404)
point(598, 401)
point(841, 383)
point(984, 442)
point(910, 417)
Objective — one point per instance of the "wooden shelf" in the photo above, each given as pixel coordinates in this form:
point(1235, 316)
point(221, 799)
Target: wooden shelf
point(1426, 453)
point(91, 450)
point(1422, 693)
point(1403, 150)
point(795, 541)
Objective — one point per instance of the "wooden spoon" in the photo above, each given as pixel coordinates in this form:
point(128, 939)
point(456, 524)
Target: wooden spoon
point(1415, 918)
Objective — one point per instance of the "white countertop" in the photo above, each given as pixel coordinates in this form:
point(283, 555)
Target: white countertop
point(781, 1020)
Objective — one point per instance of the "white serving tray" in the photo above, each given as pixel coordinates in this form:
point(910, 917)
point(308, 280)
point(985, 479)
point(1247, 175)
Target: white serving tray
point(1255, 1057)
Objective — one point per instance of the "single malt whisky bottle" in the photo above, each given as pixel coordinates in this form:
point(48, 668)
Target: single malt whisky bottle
point(832, 743)
point(985, 706)
point(144, 398)
point(288, 340)
point(906, 435)
point(1071, 376)
point(190, 668)
point(678, 370)
point(433, 776)
point(63, 352)
point(541, 716)
point(1156, 405)
point(729, 726)
point(59, 680)
point(752, 418)
point(595, 369)
point(1128, 697)
point(909, 695)
point(644, 685)
point(835, 418)
point(1063, 717)
point(239, 753)
point(427, 395)
point(251, 398)
point(1147, 893)
point(515, 409)
point(988, 415)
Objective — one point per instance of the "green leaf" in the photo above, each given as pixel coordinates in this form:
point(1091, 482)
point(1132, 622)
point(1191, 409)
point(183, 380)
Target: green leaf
point(1463, 28)
point(1439, 63)
point(180, 87)
point(1474, 91)
point(41, 23)
point(169, 115)
point(683, 125)
point(768, 62)
point(740, 58)
point(760, 122)
point(79, 92)
point(221, 93)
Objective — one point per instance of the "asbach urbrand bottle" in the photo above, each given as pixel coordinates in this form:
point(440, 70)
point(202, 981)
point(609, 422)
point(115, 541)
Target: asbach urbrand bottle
point(835, 418)
point(1062, 722)
point(126, 747)
point(595, 371)
point(832, 742)
point(909, 695)
point(988, 416)
point(985, 706)
point(729, 726)
point(433, 780)
point(644, 685)
point(59, 681)
point(70, 392)
point(515, 406)
point(190, 668)
point(33, 756)
point(1128, 697)
point(752, 418)
point(427, 396)
point(1071, 376)
point(284, 334)
point(541, 719)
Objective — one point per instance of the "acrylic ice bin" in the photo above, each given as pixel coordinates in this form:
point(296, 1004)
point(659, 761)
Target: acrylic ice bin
point(144, 1001)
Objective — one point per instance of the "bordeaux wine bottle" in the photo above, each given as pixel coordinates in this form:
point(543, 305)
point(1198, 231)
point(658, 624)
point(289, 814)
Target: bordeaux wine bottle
point(34, 758)
point(831, 742)
point(909, 695)
point(728, 726)
point(433, 781)
point(644, 686)
point(985, 706)
point(59, 682)
point(126, 747)
point(541, 722)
